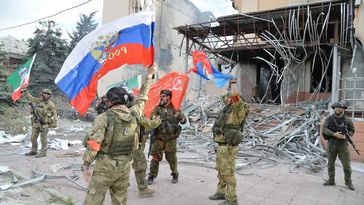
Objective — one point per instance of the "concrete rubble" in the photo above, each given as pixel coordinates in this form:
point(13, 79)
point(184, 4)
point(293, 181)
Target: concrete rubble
point(275, 135)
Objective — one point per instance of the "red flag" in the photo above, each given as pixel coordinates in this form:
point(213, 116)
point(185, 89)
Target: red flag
point(176, 82)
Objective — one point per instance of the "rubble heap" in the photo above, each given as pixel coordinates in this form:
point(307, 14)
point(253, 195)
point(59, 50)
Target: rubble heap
point(273, 134)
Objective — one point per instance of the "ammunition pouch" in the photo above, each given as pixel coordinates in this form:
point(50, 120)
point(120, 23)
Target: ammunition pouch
point(233, 137)
point(216, 130)
point(39, 120)
point(339, 142)
point(169, 128)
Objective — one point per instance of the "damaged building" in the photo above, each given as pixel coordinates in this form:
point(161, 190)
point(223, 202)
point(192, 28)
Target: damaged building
point(289, 52)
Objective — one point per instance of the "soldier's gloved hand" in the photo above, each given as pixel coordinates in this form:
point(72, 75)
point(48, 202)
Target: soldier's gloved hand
point(53, 125)
point(86, 174)
point(339, 135)
point(24, 90)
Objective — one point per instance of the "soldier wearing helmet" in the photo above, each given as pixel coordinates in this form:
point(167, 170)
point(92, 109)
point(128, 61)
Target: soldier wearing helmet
point(337, 143)
point(110, 145)
point(46, 118)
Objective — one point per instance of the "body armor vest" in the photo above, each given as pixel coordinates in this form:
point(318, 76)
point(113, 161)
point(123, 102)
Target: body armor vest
point(120, 135)
point(332, 126)
point(169, 127)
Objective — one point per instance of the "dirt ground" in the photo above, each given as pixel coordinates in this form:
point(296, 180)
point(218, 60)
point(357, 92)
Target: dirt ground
point(63, 183)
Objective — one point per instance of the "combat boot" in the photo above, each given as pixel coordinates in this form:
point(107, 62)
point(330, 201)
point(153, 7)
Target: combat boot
point(150, 180)
point(174, 179)
point(350, 185)
point(329, 182)
point(42, 154)
point(146, 192)
point(217, 196)
point(227, 202)
point(30, 153)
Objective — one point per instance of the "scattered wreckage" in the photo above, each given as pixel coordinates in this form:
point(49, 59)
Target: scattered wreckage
point(273, 134)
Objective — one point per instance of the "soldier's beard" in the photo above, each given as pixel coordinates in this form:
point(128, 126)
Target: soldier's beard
point(164, 103)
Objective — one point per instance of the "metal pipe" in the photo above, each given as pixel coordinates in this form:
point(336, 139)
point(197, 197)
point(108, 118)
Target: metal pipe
point(335, 73)
point(186, 54)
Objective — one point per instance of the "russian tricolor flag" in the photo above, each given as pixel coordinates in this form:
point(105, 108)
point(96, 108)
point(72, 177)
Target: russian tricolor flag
point(207, 71)
point(128, 40)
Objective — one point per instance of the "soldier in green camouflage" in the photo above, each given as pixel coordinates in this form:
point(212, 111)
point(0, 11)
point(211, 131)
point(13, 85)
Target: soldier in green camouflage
point(227, 131)
point(337, 143)
point(110, 144)
point(45, 117)
point(166, 135)
point(139, 161)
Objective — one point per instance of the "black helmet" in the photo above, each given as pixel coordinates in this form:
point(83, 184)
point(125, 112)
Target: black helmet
point(117, 95)
point(339, 104)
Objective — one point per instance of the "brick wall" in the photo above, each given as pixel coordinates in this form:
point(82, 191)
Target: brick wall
point(358, 140)
point(303, 96)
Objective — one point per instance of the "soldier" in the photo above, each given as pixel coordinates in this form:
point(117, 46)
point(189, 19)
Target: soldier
point(337, 144)
point(166, 135)
point(44, 117)
point(139, 161)
point(227, 131)
point(110, 144)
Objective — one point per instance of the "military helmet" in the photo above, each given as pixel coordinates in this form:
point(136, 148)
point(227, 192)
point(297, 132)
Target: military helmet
point(339, 104)
point(117, 95)
point(46, 90)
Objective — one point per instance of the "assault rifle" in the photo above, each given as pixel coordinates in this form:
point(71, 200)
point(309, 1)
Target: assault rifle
point(344, 130)
point(151, 141)
point(35, 114)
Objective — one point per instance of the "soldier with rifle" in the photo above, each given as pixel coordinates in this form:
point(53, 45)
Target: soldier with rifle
point(44, 116)
point(337, 129)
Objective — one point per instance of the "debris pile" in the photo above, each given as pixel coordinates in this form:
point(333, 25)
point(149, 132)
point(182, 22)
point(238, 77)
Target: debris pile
point(273, 134)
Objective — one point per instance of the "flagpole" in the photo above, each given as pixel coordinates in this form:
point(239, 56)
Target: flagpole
point(187, 51)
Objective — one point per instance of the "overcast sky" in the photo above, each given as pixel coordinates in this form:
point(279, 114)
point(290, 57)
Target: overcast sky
point(15, 12)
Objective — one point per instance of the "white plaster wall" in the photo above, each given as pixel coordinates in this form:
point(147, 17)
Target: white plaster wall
point(247, 75)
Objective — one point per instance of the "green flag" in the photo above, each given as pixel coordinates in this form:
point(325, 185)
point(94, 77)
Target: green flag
point(20, 78)
point(129, 85)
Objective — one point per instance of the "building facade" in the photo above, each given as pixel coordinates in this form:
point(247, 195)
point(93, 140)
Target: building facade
point(169, 46)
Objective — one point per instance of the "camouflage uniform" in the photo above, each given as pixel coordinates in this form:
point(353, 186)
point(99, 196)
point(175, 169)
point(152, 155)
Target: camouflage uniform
point(227, 132)
point(165, 139)
point(115, 132)
point(337, 147)
point(47, 113)
point(139, 161)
